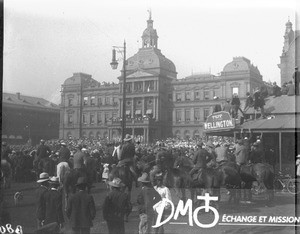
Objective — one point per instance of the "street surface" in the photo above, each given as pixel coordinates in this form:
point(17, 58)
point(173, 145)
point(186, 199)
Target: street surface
point(284, 205)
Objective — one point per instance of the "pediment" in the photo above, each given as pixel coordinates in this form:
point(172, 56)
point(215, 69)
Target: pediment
point(139, 74)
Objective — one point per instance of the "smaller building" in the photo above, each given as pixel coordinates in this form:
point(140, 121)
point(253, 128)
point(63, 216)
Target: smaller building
point(27, 119)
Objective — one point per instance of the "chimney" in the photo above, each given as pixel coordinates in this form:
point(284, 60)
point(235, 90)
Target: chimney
point(19, 95)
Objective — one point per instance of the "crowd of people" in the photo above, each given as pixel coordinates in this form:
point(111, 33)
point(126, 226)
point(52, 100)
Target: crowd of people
point(92, 154)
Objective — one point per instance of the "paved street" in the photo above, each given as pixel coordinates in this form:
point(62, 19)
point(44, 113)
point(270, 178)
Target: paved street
point(284, 205)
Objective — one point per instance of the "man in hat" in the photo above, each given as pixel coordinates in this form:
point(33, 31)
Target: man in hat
point(249, 102)
point(127, 154)
point(200, 159)
point(240, 153)
point(52, 204)
point(43, 151)
point(222, 153)
point(235, 103)
point(64, 152)
point(115, 206)
point(227, 106)
point(81, 209)
point(39, 193)
point(259, 102)
point(217, 106)
point(255, 155)
point(78, 159)
point(146, 200)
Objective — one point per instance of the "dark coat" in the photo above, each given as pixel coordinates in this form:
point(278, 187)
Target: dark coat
point(43, 151)
point(64, 154)
point(127, 151)
point(217, 108)
point(258, 100)
point(201, 157)
point(115, 206)
point(249, 102)
point(146, 199)
point(53, 209)
point(39, 193)
point(81, 210)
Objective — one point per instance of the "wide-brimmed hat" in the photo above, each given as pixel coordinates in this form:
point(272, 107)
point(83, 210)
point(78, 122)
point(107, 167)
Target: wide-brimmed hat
point(144, 178)
point(54, 180)
point(116, 182)
point(63, 143)
point(81, 181)
point(43, 177)
point(128, 137)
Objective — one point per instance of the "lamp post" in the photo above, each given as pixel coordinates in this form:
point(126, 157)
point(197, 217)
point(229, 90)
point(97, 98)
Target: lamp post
point(114, 65)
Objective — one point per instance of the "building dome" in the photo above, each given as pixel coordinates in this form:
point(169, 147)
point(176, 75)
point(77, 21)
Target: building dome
point(150, 58)
point(240, 64)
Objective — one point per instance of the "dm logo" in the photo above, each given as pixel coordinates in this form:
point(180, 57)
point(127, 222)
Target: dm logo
point(188, 208)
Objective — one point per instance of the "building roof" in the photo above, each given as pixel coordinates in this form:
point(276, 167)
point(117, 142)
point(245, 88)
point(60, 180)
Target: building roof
point(279, 122)
point(29, 101)
point(282, 105)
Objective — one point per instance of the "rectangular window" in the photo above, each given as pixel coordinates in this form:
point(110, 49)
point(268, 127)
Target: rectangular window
point(115, 101)
point(107, 102)
point(93, 100)
point(178, 97)
point(178, 115)
point(106, 117)
point(114, 115)
point(70, 102)
point(197, 95)
point(92, 119)
point(188, 96)
point(85, 101)
point(206, 113)
point(99, 101)
point(197, 114)
point(70, 118)
point(138, 86)
point(84, 118)
point(235, 90)
point(128, 87)
point(149, 85)
point(99, 118)
point(187, 115)
point(206, 94)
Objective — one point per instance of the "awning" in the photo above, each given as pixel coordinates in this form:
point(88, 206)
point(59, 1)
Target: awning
point(138, 112)
point(149, 112)
point(278, 122)
point(128, 112)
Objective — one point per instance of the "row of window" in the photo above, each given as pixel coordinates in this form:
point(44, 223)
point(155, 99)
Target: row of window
point(94, 118)
point(187, 114)
point(93, 101)
point(196, 96)
point(138, 86)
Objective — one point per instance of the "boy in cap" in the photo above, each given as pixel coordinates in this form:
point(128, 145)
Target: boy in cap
point(81, 209)
point(39, 193)
point(146, 200)
point(115, 206)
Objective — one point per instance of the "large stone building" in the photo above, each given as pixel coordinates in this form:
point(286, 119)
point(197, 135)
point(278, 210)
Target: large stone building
point(158, 105)
point(290, 57)
point(28, 119)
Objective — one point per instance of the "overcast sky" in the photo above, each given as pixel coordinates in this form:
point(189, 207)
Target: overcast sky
point(45, 42)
